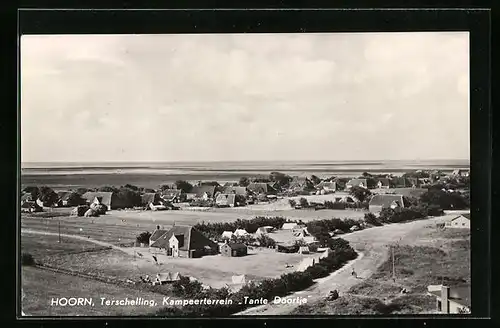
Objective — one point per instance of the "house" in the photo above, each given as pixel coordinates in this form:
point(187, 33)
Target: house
point(30, 207)
point(233, 249)
point(242, 191)
point(173, 195)
point(451, 300)
point(356, 183)
point(62, 198)
point(299, 184)
point(225, 200)
point(265, 229)
point(261, 188)
point(378, 202)
point(204, 192)
point(383, 183)
point(461, 173)
point(461, 221)
point(156, 234)
point(327, 186)
point(109, 199)
point(184, 241)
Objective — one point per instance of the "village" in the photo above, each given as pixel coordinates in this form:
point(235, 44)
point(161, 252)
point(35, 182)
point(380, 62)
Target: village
point(192, 231)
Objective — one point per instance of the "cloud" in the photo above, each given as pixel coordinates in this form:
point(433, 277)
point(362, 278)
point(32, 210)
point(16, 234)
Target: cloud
point(246, 96)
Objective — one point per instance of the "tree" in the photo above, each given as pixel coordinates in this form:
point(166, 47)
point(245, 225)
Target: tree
point(360, 193)
point(292, 203)
point(81, 190)
point(282, 179)
point(128, 197)
point(143, 237)
point(75, 199)
point(366, 174)
point(445, 200)
point(244, 181)
point(108, 189)
point(131, 187)
point(165, 187)
point(315, 179)
point(27, 259)
point(33, 190)
point(266, 241)
point(303, 202)
point(184, 186)
point(48, 196)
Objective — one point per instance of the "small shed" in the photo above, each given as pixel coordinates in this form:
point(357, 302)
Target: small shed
point(233, 249)
point(460, 221)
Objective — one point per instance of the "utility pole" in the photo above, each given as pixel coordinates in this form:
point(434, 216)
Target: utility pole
point(393, 265)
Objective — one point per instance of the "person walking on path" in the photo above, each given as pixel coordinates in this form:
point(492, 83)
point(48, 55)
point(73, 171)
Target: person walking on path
point(354, 274)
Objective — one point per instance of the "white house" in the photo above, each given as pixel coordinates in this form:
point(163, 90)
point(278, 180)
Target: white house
point(461, 221)
point(451, 300)
point(356, 183)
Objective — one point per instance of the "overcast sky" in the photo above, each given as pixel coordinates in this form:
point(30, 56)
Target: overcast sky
point(384, 96)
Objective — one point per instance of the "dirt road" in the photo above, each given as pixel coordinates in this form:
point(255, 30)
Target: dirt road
point(371, 244)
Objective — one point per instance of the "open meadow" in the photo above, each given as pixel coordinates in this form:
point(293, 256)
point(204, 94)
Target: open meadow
point(40, 286)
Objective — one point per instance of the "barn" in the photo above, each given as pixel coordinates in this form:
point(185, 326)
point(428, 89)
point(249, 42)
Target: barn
point(233, 249)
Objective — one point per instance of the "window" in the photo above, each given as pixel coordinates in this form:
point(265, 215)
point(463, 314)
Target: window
point(463, 224)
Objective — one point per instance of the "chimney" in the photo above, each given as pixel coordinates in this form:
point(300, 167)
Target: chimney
point(445, 294)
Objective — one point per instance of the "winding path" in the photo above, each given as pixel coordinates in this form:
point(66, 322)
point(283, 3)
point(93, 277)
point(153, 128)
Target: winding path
point(372, 247)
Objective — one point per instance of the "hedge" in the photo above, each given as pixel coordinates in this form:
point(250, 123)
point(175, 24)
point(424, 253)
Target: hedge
point(266, 289)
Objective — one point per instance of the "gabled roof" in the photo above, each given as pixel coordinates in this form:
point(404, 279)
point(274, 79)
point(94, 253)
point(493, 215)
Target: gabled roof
point(26, 197)
point(327, 184)
point(200, 190)
point(301, 183)
point(235, 246)
point(29, 204)
point(171, 193)
point(193, 239)
point(260, 187)
point(235, 190)
point(467, 216)
point(226, 199)
point(157, 234)
point(357, 182)
point(386, 200)
point(104, 197)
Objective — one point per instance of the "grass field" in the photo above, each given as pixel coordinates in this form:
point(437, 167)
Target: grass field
point(42, 247)
point(434, 257)
point(40, 286)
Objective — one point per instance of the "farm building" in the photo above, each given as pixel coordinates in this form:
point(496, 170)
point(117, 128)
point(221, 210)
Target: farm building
point(30, 207)
point(378, 202)
point(299, 184)
point(184, 241)
point(383, 183)
point(261, 188)
point(242, 191)
point(233, 249)
point(204, 192)
point(225, 200)
point(109, 199)
point(356, 183)
point(451, 299)
point(173, 195)
point(461, 221)
point(328, 187)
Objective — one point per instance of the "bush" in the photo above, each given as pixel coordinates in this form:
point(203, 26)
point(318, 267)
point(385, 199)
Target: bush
point(303, 202)
point(372, 219)
point(335, 205)
point(27, 259)
point(266, 241)
point(143, 237)
point(318, 271)
point(292, 203)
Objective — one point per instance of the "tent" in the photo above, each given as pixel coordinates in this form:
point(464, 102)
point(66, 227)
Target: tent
point(304, 250)
point(354, 228)
point(241, 232)
point(241, 279)
point(325, 254)
point(290, 226)
point(306, 263)
point(227, 234)
point(162, 278)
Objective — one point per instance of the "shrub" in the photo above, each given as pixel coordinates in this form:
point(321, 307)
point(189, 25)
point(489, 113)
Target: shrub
point(266, 241)
point(303, 202)
point(317, 271)
point(372, 219)
point(143, 237)
point(292, 203)
point(335, 205)
point(27, 259)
